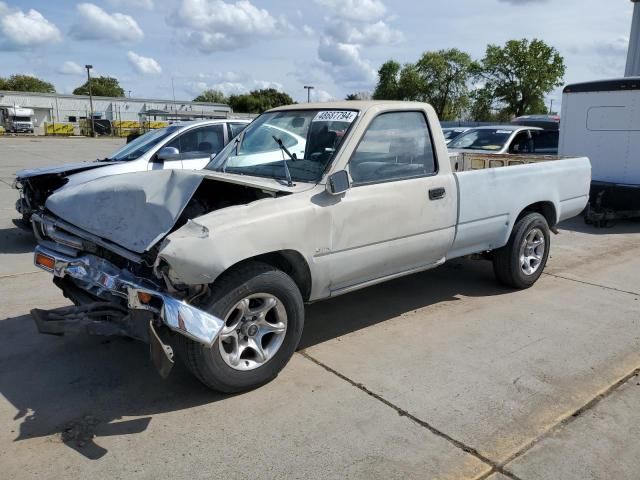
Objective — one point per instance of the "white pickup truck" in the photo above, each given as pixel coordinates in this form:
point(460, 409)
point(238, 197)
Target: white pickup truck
point(216, 265)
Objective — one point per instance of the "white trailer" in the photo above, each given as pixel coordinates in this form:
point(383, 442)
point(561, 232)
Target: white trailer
point(601, 120)
point(17, 119)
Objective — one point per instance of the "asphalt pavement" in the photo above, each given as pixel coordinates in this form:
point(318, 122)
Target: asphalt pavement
point(443, 374)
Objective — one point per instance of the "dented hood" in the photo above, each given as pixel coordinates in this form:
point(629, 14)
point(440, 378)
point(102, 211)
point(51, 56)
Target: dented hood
point(133, 210)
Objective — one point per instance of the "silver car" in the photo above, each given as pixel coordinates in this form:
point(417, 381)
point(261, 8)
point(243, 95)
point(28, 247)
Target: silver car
point(183, 146)
point(501, 139)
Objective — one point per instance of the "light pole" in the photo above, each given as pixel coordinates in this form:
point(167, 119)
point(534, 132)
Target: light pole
point(89, 67)
point(551, 107)
point(309, 88)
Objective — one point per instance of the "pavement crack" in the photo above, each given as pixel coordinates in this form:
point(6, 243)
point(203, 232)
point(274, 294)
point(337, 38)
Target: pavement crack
point(495, 467)
point(567, 419)
point(592, 284)
point(13, 275)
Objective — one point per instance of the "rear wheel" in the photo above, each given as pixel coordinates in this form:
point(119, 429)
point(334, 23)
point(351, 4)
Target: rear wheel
point(520, 263)
point(264, 315)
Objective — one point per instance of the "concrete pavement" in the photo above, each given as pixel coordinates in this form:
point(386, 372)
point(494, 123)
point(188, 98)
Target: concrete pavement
point(442, 374)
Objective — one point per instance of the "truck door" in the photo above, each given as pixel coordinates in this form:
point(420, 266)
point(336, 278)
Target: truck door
point(400, 213)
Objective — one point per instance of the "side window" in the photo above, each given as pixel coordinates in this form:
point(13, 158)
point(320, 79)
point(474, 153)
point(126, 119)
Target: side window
point(521, 143)
point(396, 145)
point(236, 128)
point(546, 142)
point(200, 142)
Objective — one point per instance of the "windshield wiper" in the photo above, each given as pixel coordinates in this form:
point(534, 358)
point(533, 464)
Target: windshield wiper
point(292, 156)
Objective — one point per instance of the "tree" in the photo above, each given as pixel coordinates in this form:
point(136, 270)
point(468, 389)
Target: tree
point(521, 73)
point(388, 77)
point(257, 101)
point(358, 96)
point(211, 96)
point(440, 78)
point(26, 83)
point(101, 87)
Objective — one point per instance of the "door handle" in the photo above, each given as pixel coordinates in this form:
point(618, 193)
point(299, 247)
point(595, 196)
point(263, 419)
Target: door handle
point(437, 193)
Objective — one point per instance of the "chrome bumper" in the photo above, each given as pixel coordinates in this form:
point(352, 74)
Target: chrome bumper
point(98, 276)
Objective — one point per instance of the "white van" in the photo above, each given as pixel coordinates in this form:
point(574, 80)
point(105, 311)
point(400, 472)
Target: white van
point(601, 120)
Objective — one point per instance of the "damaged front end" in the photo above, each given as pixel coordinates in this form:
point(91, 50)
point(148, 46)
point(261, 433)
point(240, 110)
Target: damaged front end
point(111, 300)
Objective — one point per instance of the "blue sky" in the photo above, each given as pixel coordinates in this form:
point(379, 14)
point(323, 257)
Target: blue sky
point(335, 45)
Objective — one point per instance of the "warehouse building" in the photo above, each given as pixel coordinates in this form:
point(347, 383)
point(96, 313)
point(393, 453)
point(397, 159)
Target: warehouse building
point(54, 108)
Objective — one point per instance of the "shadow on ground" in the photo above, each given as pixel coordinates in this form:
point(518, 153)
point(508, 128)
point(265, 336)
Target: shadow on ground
point(80, 388)
point(16, 240)
point(617, 227)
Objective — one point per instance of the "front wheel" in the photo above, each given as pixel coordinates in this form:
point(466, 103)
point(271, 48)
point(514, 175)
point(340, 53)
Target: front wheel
point(264, 316)
point(521, 261)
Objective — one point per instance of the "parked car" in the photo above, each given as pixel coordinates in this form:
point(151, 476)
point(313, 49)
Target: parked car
point(218, 266)
point(507, 139)
point(451, 133)
point(188, 145)
point(546, 122)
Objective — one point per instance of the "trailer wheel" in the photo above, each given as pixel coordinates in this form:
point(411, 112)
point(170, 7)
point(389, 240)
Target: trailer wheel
point(264, 317)
point(521, 261)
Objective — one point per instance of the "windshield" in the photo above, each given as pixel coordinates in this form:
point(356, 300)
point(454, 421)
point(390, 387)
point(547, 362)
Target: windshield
point(311, 138)
point(451, 134)
point(141, 145)
point(482, 139)
point(21, 119)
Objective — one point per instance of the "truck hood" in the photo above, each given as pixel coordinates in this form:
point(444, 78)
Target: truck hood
point(65, 169)
point(136, 210)
point(133, 210)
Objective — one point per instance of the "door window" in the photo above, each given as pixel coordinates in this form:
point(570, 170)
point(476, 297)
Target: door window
point(200, 142)
point(521, 143)
point(545, 142)
point(396, 145)
point(236, 128)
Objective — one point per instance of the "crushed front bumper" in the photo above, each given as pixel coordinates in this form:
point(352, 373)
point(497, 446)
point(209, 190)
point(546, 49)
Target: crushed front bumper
point(103, 279)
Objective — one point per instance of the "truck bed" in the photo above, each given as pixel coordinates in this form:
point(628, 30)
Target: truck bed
point(462, 162)
point(491, 198)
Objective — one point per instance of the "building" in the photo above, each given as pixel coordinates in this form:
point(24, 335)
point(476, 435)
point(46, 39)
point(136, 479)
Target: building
point(50, 108)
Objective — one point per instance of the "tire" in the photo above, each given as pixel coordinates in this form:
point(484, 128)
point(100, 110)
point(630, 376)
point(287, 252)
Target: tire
point(519, 263)
point(259, 282)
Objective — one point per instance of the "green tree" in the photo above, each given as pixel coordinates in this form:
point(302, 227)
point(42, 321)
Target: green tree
point(26, 83)
point(440, 78)
point(211, 96)
point(101, 87)
point(257, 101)
point(388, 78)
point(359, 96)
point(521, 73)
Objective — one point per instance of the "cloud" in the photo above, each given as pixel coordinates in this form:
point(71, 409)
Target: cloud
point(215, 25)
point(21, 31)
point(319, 95)
point(70, 68)
point(345, 62)
point(229, 83)
point(358, 10)
point(308, 31)
point(96, 24)
point(143, 65)
point(350, 27)
point(146, 4)
point(378, 33)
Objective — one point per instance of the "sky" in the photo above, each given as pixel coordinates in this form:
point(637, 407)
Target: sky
point(167, 48)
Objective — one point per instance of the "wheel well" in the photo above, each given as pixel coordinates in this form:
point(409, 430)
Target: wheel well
point(546, 209)
point(290, 262)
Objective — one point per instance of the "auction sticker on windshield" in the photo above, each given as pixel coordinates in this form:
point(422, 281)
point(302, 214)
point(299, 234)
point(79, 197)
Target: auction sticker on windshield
point(336, 116)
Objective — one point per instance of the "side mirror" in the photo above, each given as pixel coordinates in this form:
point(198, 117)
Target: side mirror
point(168, 153)
point(338, 183)
point(212, 156)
